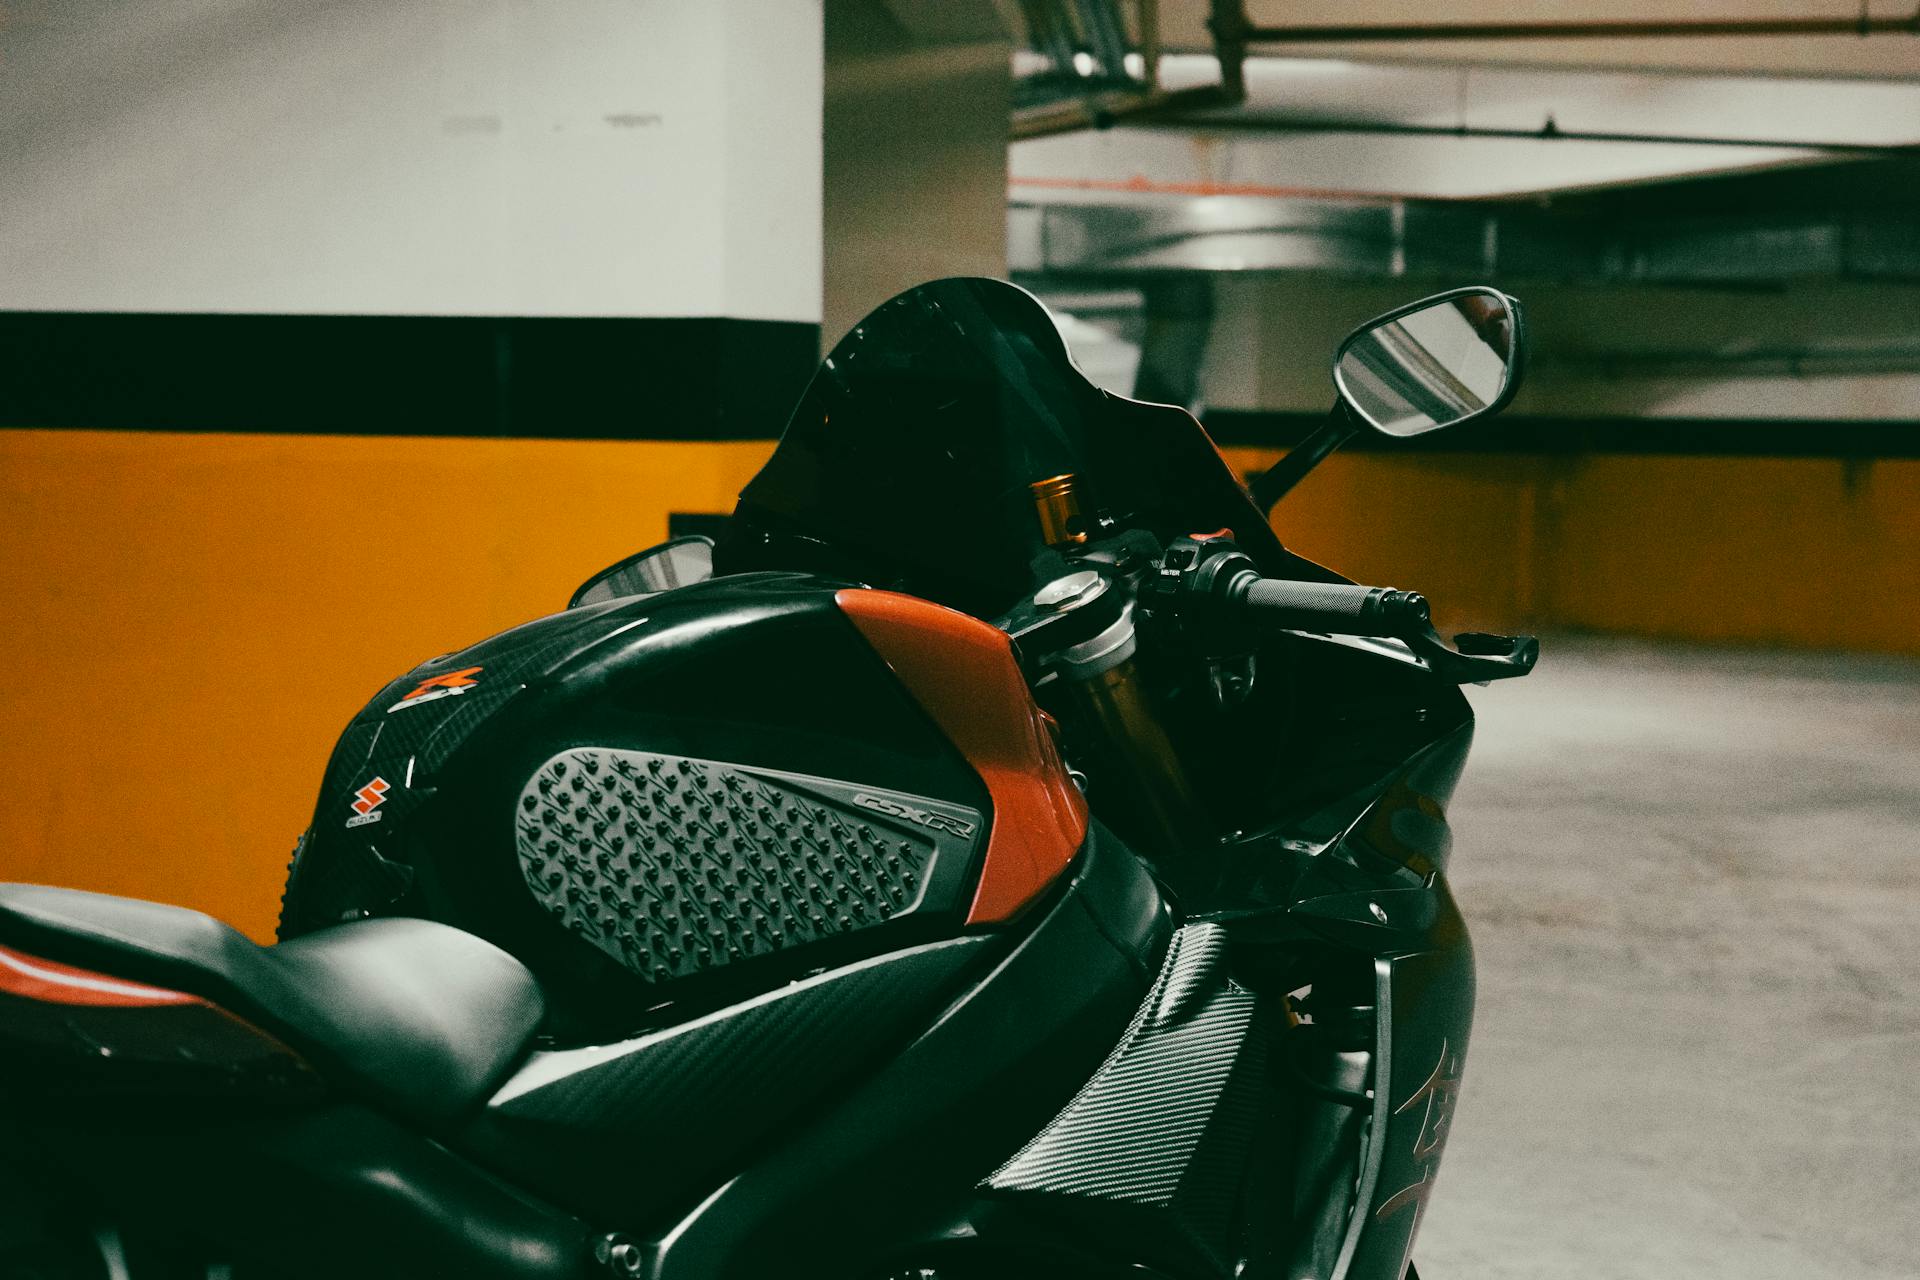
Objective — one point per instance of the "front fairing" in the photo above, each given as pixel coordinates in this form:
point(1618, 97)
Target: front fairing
point(907, 462)
point(907, 465)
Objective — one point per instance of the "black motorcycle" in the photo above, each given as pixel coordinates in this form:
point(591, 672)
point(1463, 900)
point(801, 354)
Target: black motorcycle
point(996, 856)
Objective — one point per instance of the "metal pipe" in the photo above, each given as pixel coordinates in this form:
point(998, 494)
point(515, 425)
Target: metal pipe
point(1106, 110)
point(1150, 41)
point(1046, 32)
point(1228, 22)
point(1864, 25)
point(1548, 132)
point(1100, 26)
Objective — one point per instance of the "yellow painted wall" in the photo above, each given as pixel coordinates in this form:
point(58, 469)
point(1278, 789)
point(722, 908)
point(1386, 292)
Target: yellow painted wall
point(1456, 527)
point(1803, 552)
point(187, 621)
point(1812, 552)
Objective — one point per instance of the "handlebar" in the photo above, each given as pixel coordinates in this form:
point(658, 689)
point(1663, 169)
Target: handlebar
point(1209, 578)
point(1338, 608)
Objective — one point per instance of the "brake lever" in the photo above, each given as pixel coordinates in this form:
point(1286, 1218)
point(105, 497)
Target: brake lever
point(1475, 657)
point(1206, 581)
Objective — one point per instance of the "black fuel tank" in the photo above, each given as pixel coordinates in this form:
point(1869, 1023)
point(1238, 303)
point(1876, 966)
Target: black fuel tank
point(653, 800)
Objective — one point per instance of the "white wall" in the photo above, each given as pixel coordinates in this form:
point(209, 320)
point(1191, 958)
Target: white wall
point(571, 157)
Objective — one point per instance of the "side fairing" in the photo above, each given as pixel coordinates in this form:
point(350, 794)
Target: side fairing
point(963, 673)
point(675, 800)
point(693, 1097)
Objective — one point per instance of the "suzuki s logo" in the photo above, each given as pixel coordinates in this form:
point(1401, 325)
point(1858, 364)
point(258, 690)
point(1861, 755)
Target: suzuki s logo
point(920, 817)
point(434, 688)
point(367, 801)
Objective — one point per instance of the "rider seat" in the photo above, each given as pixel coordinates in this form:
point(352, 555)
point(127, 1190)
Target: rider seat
point(415, 1016)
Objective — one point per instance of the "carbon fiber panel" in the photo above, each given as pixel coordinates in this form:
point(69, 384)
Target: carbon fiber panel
point(620, 1127)
point(1156, 1145)
point(344, 870)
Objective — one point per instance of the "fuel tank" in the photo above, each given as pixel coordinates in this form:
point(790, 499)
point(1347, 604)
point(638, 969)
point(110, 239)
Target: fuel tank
point(684, 797)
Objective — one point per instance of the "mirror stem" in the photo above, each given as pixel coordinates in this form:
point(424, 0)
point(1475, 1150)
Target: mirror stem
point(1278, 480)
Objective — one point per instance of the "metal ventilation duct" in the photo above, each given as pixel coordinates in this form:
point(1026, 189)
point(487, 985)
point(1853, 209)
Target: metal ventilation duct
point(1391, 239)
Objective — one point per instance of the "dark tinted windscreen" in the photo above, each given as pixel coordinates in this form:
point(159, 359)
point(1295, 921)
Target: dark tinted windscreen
point(908, 460)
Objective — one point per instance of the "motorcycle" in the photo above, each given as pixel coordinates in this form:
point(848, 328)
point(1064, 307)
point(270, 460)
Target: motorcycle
point(997, 854)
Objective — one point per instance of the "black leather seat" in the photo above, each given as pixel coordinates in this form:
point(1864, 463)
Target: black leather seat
point(417, 1016)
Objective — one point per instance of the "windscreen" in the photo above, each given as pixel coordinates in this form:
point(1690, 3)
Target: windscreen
point(908, 461)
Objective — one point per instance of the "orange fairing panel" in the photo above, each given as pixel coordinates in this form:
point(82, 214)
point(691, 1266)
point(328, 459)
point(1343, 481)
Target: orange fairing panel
point(962, 671)
point(32, 978)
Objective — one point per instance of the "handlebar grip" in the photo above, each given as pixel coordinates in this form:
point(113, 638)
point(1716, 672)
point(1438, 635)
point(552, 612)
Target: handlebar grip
point(1336, 608)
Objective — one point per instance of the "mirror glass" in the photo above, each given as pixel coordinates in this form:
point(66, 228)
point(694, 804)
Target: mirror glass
point(679, 563)
point(1435, 364)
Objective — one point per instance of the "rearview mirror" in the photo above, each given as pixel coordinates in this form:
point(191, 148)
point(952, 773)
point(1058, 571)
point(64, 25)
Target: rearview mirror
point(1433, 364)
point(680, 562)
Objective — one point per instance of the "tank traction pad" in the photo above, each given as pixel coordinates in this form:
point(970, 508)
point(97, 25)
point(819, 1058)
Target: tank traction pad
point(674, 866)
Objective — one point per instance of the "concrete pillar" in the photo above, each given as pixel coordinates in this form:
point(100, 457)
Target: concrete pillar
point(915, 158)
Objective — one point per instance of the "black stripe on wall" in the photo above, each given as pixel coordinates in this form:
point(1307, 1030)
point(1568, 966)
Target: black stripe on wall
point(696, 378)
point(1517, 434)
point(591, 378)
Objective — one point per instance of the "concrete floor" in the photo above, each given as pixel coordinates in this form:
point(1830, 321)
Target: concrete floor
point(1693, 879)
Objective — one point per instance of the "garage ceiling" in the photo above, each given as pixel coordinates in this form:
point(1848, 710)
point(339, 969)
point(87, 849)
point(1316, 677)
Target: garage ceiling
point(1547, 117)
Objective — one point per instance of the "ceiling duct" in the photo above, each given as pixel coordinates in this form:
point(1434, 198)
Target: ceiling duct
point(1392, 239)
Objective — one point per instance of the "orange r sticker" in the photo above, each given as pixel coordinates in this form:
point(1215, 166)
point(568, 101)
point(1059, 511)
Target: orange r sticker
point(436, 687)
